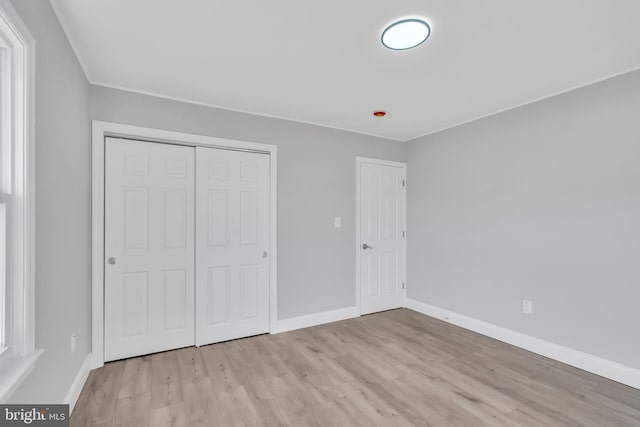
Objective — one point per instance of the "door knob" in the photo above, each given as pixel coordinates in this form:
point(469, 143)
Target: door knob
point(111, 260)
point(365, 246)
point(265, 254)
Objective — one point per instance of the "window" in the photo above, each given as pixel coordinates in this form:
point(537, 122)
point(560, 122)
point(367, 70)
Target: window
point(4, 198)
point(5, 188)
point(17, 346)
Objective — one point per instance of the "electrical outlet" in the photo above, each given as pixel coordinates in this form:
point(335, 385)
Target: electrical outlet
point(73, 342)
point(527, 306)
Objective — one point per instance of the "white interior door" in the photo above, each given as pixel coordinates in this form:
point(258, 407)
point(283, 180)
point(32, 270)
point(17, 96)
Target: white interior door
point(149, 247)
point(382, 236)
point(232, 243)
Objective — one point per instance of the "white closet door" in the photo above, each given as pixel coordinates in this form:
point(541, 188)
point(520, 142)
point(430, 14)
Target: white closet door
point(232, 265)
point(382, 250)
point(149, 248)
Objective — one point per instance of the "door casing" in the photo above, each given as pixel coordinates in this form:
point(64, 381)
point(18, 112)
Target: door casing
point(101, 130)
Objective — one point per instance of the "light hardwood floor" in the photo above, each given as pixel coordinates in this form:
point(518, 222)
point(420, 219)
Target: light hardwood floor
point(393, 368)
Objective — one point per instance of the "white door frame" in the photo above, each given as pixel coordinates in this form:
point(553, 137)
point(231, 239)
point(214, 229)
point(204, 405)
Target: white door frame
point(403, 166)
point(101, 130)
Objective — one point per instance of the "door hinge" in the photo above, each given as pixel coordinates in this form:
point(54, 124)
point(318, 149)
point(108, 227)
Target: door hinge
point(403, 183)
point(402, 233)
point(402, 285)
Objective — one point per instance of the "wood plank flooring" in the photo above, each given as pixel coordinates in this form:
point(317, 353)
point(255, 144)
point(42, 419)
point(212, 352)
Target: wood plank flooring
point(396, 368)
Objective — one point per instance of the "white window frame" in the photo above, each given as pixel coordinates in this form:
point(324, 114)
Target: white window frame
point(18, 114)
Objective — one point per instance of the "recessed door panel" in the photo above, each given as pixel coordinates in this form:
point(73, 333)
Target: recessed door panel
point(177, 167)
point(136, 163)
point(373, 275)
point(232, 265)
point(249, 282)
point(218, 169)
point(249, 218)
point(176, 294)
point(149, 247)
point(373, 211)
point(217, 218)
point(135, 304)
point(391, 273)
point(175, 221)
point(135, 218)
point(249, 171)
point(218, 292)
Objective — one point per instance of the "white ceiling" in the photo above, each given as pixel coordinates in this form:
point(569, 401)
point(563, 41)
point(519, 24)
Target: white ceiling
point(322, 61)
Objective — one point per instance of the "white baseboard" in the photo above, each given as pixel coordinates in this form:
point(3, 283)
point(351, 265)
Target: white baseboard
point(284, 325)
point(78, 382)
point(587, 362)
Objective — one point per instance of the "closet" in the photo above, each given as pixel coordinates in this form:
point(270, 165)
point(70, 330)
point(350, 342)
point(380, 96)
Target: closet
point(186, 246)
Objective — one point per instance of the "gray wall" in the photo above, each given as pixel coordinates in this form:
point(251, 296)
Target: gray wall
point(316, 182)
point(62, 208)
point(540, 203)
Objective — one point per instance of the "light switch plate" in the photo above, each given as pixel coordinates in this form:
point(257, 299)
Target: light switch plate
point(337, 222)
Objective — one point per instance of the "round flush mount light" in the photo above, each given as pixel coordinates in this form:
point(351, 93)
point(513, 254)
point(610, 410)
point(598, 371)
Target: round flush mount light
point(379, 113)
point(405, 34)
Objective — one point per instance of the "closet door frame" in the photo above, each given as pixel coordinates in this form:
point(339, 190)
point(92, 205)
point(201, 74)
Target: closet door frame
point(100, 131)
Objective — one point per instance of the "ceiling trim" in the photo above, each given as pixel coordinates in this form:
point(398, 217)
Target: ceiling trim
point(410, 139)
point(239, 110)
point(71, 40)
point(542, 98)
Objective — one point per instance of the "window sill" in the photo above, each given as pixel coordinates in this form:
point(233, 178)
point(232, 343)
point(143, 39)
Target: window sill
point(13, 372)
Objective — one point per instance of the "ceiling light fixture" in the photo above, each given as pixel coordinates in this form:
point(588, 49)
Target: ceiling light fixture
point(379, 113)
point(405, 34)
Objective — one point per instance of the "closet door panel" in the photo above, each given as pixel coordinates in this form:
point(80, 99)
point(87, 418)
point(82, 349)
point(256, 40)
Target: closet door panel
point(232, 243)
point(149, 247)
